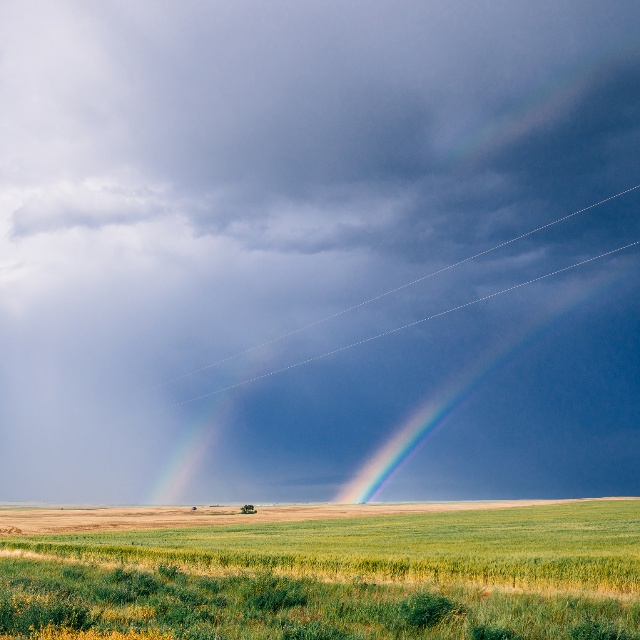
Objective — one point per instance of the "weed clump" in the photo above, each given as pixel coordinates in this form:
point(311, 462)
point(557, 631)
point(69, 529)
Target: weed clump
point(23, 615)
point(424, 610)
point(219, 601)
point(313, 631)
point(202, 632)
point(143, 584)
point(278, 599)
point(169, 571)
point(73, 573)
point(590, 630)
point(208, 584)
point(481, 632)
point(124, 587)
point(270, 594)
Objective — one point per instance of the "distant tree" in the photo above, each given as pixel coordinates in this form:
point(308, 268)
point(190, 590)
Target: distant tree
point(248, 508)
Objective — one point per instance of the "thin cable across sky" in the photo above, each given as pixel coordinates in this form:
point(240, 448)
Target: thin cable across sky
point(396, 289)
point(405, 326)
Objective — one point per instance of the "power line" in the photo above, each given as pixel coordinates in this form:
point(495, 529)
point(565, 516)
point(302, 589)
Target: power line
point(403, 327)
point(395, 290)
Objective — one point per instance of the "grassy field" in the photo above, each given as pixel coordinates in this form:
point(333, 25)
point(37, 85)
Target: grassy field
point(576, 569)
point(587, 545)
point(73, 601)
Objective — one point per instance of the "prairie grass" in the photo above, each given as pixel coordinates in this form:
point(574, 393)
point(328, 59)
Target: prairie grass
point(593, 546)
point(53, 633)
point(429, 576)
point(171, 604)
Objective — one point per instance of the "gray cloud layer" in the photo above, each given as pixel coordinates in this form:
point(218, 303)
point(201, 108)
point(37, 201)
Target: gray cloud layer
point(180, 183)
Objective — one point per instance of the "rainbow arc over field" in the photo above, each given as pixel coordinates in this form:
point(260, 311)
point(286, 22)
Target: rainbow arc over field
point(389, 459)
point(189, 456)
point(200, 436)
point(539, 107)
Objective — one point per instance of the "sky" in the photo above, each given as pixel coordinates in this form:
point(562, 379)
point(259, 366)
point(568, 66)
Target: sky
point(183, 184)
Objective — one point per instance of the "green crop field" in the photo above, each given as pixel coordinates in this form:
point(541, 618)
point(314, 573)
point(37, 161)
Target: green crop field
point(575, 568)
point(592, 545)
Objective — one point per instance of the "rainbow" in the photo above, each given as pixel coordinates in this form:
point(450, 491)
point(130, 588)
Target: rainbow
point(539, 107)
point(187, 460)
point(431, 415)
point(385, 463)
point(198, 438)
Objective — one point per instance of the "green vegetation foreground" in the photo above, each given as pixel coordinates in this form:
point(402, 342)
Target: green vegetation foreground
point(61, 600)
point(592, 546)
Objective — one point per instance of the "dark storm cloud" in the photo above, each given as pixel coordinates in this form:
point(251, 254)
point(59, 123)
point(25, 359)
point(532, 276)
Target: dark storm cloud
point(252, 107)
point(358, 160)
point(583, 154)
point(587, 151)
point(178, 184)
point(323, 111)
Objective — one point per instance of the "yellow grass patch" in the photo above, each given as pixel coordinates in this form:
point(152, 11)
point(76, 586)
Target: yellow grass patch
point(51, 633)
point(15, 522)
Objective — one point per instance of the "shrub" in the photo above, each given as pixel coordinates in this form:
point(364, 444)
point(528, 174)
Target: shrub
point(190, 597)
point(313, 631)
point(210, 585)
point(176, 615)
point(491, 633)
point(73, 573)
point(21, 617)
point(144, 583)
point(425, 610)
point(219, 601)
point(248, 508)
point(116, 595)
point(590, 630)
point(277, 599)
point(201, 632)
point(270, 593)
point(168, 571)
point(128, 587)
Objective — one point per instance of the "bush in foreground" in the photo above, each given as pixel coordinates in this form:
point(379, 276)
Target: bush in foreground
point(23, 615)
point(481, 632)
point(313, 631)
point(589, 630)
point(424, 610)
point(181, 605)
point(271, 594)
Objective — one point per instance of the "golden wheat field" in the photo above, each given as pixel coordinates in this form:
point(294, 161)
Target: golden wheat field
point(35, 520)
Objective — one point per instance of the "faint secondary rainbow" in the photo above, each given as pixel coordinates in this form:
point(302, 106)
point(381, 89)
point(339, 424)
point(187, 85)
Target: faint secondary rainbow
point(380, 469)
point(540, 106)
point(188, 458)
point(198, 439)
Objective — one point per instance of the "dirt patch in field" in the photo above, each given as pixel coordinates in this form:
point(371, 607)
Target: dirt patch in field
point(25, 521)
point(10, 531)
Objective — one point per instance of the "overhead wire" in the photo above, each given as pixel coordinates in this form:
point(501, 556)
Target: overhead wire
point(403, 327)
point(394, 290)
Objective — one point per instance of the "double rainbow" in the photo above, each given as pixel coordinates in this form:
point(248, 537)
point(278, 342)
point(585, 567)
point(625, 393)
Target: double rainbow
point(539, 107)
point(386, 462)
